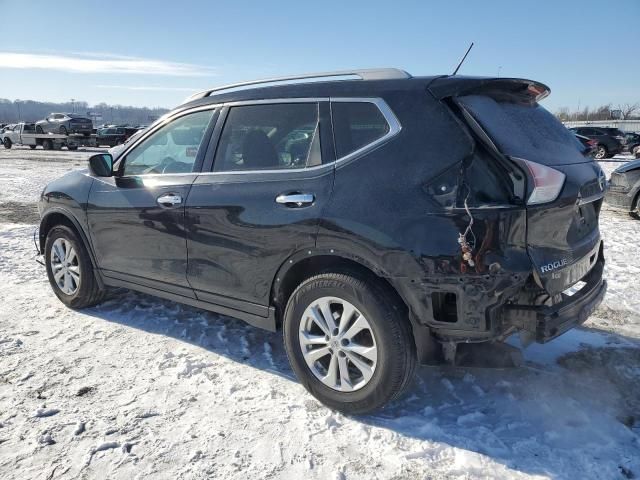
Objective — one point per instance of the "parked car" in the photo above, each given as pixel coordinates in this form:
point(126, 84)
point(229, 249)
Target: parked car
point(590, 145)
point(609, 140)
point(631, 142)
point(65, 123)
point(624, 188)
point(379, 221)
point(114, 136)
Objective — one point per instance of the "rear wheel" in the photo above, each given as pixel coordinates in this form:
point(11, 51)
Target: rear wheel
point(7, 143)
point(63, 130)
point(349, 342)
point(72, 148)
point(47, 144)
point(601, 152)
point(32, 147)
point(39, 129)
point(70, 270)
point(636, 151)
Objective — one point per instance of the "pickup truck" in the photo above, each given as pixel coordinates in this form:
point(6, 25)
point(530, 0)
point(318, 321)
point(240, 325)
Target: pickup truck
point(25, 134)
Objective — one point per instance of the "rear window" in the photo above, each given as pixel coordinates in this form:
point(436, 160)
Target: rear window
point(355, 125)
point(525, 131)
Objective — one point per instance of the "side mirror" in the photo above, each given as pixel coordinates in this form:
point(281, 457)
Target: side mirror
point(101, 165)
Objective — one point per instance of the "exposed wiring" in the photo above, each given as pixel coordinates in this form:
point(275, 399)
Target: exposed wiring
point(467, 240)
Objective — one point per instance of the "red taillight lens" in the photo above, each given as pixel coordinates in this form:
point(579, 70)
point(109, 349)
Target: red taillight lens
point(592, 143)
point(547, 181)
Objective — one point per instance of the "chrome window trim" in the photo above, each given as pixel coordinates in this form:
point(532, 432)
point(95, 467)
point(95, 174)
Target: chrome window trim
point(394, 126)
point(394, 129)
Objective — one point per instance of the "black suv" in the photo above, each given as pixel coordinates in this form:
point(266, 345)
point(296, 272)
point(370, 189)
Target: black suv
point(375, 218)
point(113, 136)
point(609, 140)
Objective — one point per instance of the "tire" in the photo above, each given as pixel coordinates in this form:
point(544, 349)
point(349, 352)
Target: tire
point(389, 332)
point(32, 147)
point(62, 130)
point(601, 152)
point(635, 208)
point(87, 291)
point(7, 143)
point(636, 151)
point(39, 129)
point(47, 144)
point(72, 148)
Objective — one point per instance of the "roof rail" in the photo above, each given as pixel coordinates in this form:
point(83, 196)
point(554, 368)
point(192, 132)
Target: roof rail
point(366, 74)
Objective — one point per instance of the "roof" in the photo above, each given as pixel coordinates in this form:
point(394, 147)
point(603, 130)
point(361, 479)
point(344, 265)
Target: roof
point(370, 82)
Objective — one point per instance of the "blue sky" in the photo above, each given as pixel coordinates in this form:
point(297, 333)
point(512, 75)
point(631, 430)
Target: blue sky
point(156, 53)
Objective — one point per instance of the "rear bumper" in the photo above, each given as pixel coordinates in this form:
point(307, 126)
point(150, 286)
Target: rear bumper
point(548, 322)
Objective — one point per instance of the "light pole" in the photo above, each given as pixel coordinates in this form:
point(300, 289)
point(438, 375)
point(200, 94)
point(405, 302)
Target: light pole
point(73, 105)
point(19, 111)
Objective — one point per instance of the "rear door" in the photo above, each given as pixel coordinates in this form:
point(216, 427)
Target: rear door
point(563, 237)
point(261, 201)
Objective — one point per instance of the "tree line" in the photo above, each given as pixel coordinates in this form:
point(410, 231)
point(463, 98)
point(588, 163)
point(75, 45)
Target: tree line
point(31, 111)
point(627, 111)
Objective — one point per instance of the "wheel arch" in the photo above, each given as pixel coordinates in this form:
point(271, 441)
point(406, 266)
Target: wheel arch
point(55, 217)
point(306, 264)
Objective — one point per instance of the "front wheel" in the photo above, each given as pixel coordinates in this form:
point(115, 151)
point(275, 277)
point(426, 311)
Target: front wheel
point(349, 342)
point(70, 270)
point(7, 143)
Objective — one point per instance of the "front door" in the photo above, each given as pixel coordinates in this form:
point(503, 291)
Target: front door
point(137, 218)
point(261, 203)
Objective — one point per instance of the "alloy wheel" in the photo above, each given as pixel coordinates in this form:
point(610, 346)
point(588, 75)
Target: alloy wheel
point(601, 152)
point(338, 344)
point(65, 266)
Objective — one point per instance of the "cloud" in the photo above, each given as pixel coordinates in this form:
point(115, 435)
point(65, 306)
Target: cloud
point(101, 63)
point(151, 88)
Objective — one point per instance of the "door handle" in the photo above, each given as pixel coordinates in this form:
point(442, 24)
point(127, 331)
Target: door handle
point(169, 200)
point(295, 199)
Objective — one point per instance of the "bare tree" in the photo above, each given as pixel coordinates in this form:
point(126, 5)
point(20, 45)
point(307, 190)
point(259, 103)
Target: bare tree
point(629, 110)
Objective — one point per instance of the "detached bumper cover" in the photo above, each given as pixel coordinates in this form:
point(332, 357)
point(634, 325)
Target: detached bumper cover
point(549, 322)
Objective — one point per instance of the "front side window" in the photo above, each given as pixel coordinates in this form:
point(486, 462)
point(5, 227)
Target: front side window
point(268, 137)
point(355, 125)
point(171, 149)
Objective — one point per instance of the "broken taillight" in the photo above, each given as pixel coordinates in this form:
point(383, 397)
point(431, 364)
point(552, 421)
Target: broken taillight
point(547, 182)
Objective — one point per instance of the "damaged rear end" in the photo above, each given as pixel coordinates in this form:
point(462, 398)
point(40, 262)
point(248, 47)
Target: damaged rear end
point(560, 187)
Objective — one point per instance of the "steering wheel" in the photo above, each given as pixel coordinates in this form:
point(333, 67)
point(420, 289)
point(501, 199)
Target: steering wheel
point(165, 164)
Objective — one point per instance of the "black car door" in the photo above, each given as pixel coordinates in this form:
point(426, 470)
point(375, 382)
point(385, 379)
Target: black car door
point(261, 202)
point(137, 217)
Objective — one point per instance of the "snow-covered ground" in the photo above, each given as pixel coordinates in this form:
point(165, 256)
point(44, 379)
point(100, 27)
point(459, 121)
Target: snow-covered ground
point(143, 388)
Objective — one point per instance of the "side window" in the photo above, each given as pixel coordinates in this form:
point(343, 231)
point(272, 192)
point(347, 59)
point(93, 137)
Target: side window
point(355, 125)
point(172, 148)
point(270, 136)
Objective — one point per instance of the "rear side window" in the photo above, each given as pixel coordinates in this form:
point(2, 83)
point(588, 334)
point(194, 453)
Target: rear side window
point(356, 125)
point(269, 137)
point(524, 130)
